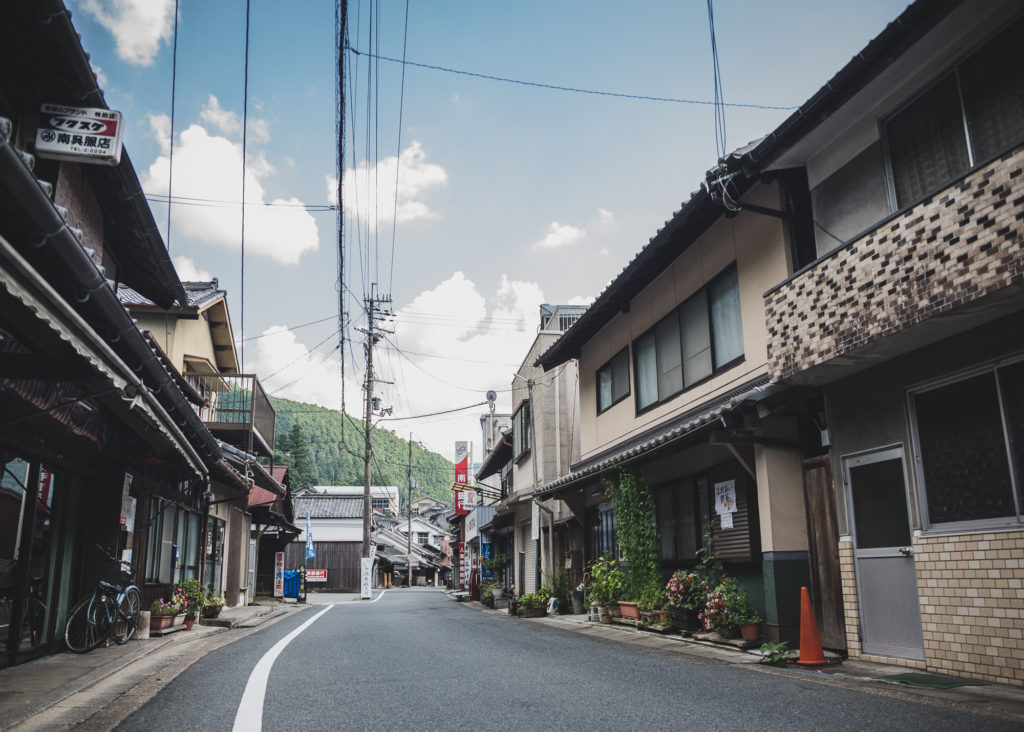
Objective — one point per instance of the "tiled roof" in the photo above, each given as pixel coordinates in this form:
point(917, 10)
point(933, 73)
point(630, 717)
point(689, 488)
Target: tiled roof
point(199, 294)
point(327, 507)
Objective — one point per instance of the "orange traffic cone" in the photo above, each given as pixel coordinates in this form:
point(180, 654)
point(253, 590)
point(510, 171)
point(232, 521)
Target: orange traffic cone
point(810, 642)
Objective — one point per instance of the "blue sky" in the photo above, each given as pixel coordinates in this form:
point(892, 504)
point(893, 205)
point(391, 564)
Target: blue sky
point(508, 195)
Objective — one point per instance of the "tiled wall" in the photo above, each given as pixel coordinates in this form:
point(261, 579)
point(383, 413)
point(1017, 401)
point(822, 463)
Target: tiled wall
point(953, 248)
point(971, 590)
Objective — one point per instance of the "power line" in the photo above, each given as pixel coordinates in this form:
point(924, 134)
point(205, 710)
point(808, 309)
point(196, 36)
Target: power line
point(290, 328)
point(432, 414)
point(222, 203)
point(556, 87)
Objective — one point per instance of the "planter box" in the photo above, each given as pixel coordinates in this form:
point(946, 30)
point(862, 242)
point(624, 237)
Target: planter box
point(160, 622)
point(629, 610)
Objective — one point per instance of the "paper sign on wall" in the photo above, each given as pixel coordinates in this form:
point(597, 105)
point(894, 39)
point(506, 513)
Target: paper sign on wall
point(725, 497)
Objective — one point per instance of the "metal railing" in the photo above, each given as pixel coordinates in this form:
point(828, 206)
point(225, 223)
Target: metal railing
point(237, 403)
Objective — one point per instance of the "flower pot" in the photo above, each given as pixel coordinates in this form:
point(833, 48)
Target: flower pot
point(539, 612)
point(750, 632)
point(178, 620)
point(160, 622)
point(212, 611)
point(190, 620)
point(498, 592)
point(629, 610)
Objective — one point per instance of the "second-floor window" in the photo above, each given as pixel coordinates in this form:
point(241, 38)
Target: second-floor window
point(970, 115)
point(613, 381)
point(379, 504)
point(422, 538)
point(522, 439)
point(697, 339)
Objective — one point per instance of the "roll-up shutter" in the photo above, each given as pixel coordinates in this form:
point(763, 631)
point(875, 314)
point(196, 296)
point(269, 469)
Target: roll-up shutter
point(742, 542)
point(529, 573)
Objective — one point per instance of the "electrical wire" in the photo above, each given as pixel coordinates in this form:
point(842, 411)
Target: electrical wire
point(720, 141)
point(220, 203)
point(556, 87)
point(170, 154)
point(290, 328)
point(398, 154)
point(245, 137)
point(432, 414)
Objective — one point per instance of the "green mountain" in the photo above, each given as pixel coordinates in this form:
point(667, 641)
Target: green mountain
point(323, 447)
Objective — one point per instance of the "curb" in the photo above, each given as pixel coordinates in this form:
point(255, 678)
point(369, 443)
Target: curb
point(40, 705)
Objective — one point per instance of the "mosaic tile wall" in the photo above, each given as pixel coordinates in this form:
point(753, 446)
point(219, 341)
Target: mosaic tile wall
point(959, 245)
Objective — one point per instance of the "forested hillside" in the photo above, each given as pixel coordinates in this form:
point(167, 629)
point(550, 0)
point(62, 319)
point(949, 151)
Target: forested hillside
point(322, 448)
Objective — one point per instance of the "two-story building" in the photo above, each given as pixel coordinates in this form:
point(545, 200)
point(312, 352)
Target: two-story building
point(832, 327)
point(213, 541)
point(92, 423)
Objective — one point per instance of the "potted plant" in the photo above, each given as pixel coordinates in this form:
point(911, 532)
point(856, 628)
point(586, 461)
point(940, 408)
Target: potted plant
point(605, 585)
point(190, 591)
point(212, 604)
point(528, 602)
point(162, 613)
point(687, 592)
point(728, 609)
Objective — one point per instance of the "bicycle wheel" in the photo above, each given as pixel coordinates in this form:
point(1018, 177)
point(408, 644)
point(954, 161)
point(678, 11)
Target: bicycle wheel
point(127, 615)
point(82, 634)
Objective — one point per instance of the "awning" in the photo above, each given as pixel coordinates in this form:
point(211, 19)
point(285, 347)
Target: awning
point(671, 435)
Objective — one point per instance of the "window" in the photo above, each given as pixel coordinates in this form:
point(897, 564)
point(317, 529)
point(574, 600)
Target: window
point(565, 321)
point(422, 538)
point(677, 513)
point(970, 446)
point(160, 544)
point(379, 504)
point(613, 381)
point(702, 336)
point(971, 114)
point(601, 535)
point(522, 438)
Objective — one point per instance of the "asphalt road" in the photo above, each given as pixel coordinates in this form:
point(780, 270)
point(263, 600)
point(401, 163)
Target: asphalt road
point(416, 660)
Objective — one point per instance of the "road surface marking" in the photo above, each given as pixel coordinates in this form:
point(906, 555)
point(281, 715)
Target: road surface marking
point(250, 709)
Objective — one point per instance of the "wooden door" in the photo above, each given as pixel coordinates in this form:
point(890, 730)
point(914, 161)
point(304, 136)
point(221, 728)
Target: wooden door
point(823, 536)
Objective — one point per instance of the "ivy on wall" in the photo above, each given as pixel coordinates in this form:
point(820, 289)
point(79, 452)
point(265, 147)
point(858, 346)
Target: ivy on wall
point(637, 536)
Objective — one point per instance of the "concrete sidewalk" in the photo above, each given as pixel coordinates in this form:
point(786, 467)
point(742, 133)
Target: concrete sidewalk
point(64, 689)
point(997, 700)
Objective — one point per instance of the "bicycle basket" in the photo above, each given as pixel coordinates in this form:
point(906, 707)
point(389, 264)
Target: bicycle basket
point(114, 573)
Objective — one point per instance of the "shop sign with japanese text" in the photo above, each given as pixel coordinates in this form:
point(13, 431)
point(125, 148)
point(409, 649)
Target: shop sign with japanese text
point(79, 134)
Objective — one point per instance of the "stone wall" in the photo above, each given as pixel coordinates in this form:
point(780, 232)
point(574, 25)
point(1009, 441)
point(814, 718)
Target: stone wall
point(951, 249)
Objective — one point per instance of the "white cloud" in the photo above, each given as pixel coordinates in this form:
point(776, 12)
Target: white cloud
point(456, 344)
point(605, 217)
point(138, 26)
point(213, 114)
point(229, 123)
point(189, 271)
point(160, 129)
point(581, 300)
point(363, 197)
point(101, 78)
point(208, 166)
point(560, 235)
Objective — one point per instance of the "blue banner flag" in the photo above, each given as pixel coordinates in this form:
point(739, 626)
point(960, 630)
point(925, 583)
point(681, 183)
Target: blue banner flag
point(310, 551)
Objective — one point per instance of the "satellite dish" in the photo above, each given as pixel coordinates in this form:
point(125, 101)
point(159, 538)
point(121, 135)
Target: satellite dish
point(491, 396)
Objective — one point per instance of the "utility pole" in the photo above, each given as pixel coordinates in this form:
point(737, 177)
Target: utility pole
point(372, 333)
point(408, 510)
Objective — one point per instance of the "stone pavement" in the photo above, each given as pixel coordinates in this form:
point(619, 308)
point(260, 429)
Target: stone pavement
point(998, 700)
point(96, 690)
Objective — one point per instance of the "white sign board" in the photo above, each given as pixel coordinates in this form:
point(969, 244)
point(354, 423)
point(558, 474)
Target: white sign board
point(316, 575)
point(279, 574)
point(365, 578)
point(79, 134)
point(725, 497)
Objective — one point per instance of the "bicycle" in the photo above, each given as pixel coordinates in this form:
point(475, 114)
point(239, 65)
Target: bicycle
point(34, 612)
point(111, 611)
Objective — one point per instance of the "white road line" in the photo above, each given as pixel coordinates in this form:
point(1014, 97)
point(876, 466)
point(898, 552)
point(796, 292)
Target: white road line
point(250, 709)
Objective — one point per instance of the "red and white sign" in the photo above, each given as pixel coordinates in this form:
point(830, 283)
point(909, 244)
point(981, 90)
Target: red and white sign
point(80, 134)
point(316, 575)
point(279, 574)
point(463, 566)
point(465, 500)
point(462, 463)
point(45, 486)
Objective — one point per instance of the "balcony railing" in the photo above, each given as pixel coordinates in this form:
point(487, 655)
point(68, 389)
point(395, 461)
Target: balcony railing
point(237, 410)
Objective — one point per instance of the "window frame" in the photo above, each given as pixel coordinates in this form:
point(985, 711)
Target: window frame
point(522, 414)
point(921, 489)
point(597, 381)
point(973, 161)
point(676, 312)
